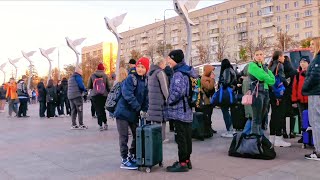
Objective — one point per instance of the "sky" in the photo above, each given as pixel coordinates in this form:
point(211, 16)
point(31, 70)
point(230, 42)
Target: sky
point(30, 25)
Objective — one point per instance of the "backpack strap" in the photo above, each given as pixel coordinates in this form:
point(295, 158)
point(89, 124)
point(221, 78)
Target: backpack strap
point(277, 69)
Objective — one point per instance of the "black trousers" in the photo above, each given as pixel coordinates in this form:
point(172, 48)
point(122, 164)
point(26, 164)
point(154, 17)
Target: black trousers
point(183, 138)
point(99, 103)
point(93, 110)
point(63, 102)
point(278, 115)
point(122, 126)
point(51, 109)
point(207, 112)
point(42, 109)
point(23, 107)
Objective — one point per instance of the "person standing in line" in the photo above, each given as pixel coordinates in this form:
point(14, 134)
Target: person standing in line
point(93, 110)
point(75, 90)
point(42, 94)
point(2, 98)
point(23, 97)
point(311, 88)
point(12, 96)
point(51, 99)
point(64, 102)
point(132, 66)
point(99, 85)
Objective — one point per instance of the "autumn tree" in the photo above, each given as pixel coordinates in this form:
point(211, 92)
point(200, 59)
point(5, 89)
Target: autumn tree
point(243, 54)
point(68, 71)
point(162, 49)
point(89, 66)
point(151, 52)
point(55, 74)
point(203, 53)
point(135, 54)
point(221, 47)
point(285, 41)
point(305, 43)
point(251, 46)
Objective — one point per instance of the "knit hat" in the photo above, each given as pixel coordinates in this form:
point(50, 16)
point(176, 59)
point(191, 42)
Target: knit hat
point(132, 61)
point(305, 58)
point(100, 67)
point(145, 62)
point(176, 55)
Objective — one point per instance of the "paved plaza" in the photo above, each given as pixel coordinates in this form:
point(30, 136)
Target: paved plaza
point(34, 148)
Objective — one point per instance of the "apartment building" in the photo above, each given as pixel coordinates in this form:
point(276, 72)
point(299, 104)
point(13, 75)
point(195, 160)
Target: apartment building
point(236, 20)
point(105, 52)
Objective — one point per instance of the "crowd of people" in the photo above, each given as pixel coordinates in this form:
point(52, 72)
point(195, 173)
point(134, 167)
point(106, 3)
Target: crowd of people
point(159, 92)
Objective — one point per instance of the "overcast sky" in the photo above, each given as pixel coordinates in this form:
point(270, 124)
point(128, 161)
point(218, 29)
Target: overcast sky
point(30, 25)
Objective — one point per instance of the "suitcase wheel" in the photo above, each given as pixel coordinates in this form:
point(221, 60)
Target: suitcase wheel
point(161, 164)
point(148, 169)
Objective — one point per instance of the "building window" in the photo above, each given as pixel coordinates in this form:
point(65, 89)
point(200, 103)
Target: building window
point(296, 4)
point(308, 13)
point(308, 24)
point(287, 27)
point(286, 6)
point(308, 34)
point(259, 22)
point(258, 32)
point(269, 19)
point(287, 17)
point(267, 10)
point(278, 8)
point(251, 14)
point(251, 5)
point(228, 10)
point(251, 24)
point(267, 1)
point(243, 6)
point(296, 15)
point(278, 19)
point(259, 13)
point(228, 20)
point(259, 3)
point(296, 25)
point(307, 2)
point(278, 29)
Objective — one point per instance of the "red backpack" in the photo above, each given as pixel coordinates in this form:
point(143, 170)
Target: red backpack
point(99, 86)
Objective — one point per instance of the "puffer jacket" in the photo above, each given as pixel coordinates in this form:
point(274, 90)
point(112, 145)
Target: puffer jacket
point(207, 84)
point(298, 82)
point(178, 108)
point(11, 91)
point(95, 75)
point(311, 84)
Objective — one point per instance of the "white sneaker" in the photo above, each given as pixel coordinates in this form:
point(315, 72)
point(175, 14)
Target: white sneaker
point(279, 142)
point(228, 134)
point(165, 141)
point(272, 139)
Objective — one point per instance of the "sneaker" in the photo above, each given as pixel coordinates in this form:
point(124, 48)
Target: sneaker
point(83, 127)
point(300, 140)
point(285, 135)
point(165, 141)
point(228, 134)
point(75, 127)
point(105, 127)
point(313, 156)
point(279, 142)
point(94, 117)
point(127, 164)
point(132, 158)
point(189, 164)
point(178, 167)
point(101, 128)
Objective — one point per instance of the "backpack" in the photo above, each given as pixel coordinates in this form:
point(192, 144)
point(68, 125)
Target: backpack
point(113, 97)
point(99, 86)
point(278, 87)
point(193, 96)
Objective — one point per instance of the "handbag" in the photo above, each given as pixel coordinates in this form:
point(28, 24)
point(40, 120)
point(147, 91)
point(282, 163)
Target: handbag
point(247, 99)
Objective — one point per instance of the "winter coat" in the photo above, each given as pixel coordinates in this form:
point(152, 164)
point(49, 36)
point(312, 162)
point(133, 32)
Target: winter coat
point(228, 78)
point(2, 93)
point(281, 74)
point(298, 82)
point(95, 75)
point(52, 93)
point(134, 98)
point(207, 84)
point(245, 89)
point(75, 86)
point(11, 91)
point(158, 92)
point(41, 92)
point(62, 89)
point(311, 84)
point(22, 89)
point(178, 108)
point(169, 72)
point(258, 72)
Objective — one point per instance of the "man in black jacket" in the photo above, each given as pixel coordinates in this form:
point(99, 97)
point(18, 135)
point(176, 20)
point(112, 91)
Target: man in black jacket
point(42, 98)
point(63, 97)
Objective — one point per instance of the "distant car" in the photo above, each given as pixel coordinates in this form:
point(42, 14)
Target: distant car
point(217, 65)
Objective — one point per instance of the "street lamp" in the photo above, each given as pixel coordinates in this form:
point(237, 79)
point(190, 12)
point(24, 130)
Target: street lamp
point(27, 56)
point(46, 53)
point(164, 32)
point(4, 73)
point(13, 62)
point(182, 8)
point(112, 25)
point(73, 44)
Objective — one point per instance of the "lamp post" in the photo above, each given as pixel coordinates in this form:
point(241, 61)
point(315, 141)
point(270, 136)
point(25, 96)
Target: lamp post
point(27, 56)
point(112, 25)
point(182, 8)
point(46, 53)
point(13, 62)
point(164, 32)
point(73, 44)
point(4, 73)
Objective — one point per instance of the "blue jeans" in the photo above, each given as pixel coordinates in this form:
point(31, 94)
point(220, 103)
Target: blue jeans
point(227, 117)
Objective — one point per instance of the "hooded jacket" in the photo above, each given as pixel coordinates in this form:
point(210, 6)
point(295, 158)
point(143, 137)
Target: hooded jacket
point(298, 82)
point(95, 75)
point(207, 84)
point(11, 90)
point(311, 84)
point(41, 92)
point(178, 108)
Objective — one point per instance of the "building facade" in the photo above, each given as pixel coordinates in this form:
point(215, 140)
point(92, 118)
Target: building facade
point(231, 24)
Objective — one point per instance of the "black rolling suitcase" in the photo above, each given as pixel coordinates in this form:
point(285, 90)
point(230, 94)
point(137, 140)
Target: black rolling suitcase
point(238, 117)
point(198, 126)
point(149, 146)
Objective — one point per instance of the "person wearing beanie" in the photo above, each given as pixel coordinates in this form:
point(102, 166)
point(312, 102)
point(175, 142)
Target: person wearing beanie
point(132, 104)
point(178, 109)
point(75, 90)
point(298, 100)
point(132, 66)
point(99, 85)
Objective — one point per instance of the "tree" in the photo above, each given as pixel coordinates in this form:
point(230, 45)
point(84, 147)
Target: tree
point(221, 47)
point(243, 54)
point(305, 43)
point(89, 66)
point(55, 74)
point(151, 52)
point(135, 54)
point(285, 41)
point(161, 49)
point(203, 53)
point(68, 71)
point(251, 47)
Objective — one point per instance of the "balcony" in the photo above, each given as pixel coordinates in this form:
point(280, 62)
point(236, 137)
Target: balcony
point(144, 35)
point(267, 14)
point(213, 17)
point(241, 20)
point(267, 24)
point(160, 30)
point(132, 38)
point(213, 26)
point(144, 41)
point(160, 38)
point(242, 29)
point(266, 5)
point(195, 38)
point(213, 35)
point(195, 30)
point(174, 27)
point(174, 34)
point(241, 11)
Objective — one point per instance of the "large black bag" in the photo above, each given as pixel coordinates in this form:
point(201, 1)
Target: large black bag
point(223, 97)
point(238, 116)
point(198, 126)
point(251, 146)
